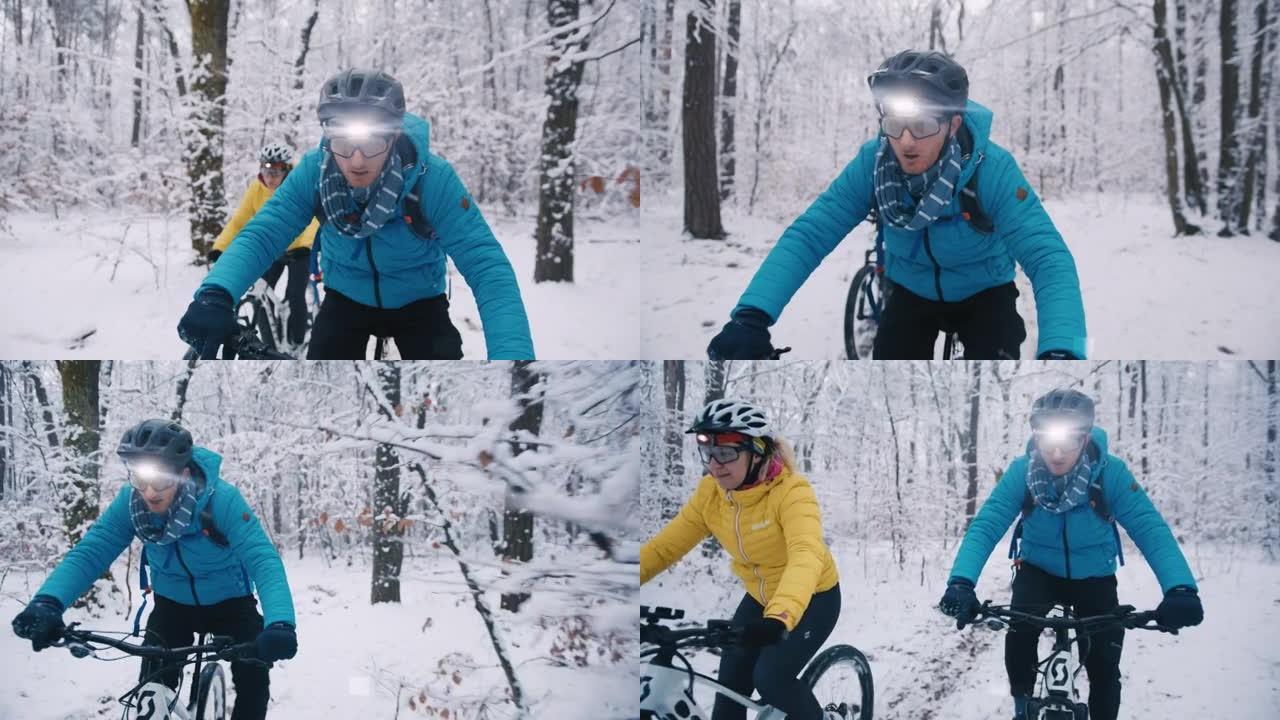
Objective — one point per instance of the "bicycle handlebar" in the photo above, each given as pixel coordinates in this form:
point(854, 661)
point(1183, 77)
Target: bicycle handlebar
point(243, 345)
point(1122, 615)
point(224, 647)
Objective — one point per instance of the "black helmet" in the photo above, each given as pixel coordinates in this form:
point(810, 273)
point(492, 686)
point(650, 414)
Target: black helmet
point(372, 93)
point(941, 80)
point(165, 441)
point(1068, 404)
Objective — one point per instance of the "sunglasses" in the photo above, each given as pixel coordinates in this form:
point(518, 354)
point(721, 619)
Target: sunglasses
point(724, 448)
point(271, 171)
point(147, 474)
point(920, 127)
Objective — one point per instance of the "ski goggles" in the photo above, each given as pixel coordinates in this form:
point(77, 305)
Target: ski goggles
point(1060, 436)
point(920, 127)
point(148, 473)
point(274, 169)
point(725, 447)
point(345, 139)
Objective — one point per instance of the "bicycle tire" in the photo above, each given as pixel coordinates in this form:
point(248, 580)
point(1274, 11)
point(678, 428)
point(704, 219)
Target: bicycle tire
point(836, 654)
point(262, 326)
point(211, 702)
point(852, 302)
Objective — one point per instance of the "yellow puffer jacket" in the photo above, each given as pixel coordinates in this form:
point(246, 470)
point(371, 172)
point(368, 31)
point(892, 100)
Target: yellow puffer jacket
point(773, 532)
point(254, 198)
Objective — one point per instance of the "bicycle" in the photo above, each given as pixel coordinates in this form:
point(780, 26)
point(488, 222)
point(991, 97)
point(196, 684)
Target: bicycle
point(863, 306)
point(667, 692)
point(153, 700)
point(1058, 698)
point(244, 345)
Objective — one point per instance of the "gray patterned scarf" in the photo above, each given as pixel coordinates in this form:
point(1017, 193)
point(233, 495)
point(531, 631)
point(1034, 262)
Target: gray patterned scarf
point(167, 527)
point(911, 202)
point(360, 212)
point(1059, 493)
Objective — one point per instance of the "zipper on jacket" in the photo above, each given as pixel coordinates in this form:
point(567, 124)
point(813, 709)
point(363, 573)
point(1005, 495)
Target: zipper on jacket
point(190, 577)
point(1066, 546)
point(377, 291)
point(937, 269)
point(737, 530)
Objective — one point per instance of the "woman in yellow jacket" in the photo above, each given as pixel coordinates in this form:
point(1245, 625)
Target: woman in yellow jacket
point(766, 516)
point(276, 162)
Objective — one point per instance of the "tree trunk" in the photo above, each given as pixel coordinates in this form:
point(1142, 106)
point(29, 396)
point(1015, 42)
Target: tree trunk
point(136, 135)
point(81, 491)
point(204, 144)
point(1192, 159)
point(554, 232)
point(388, 530)
point(673, 385)
point(1272, 458)
point(517, 523)
point(716, 377)
point(5, 421)
point(729, 98)
point(1166, 75)
point(1146, 451)
point(1228, 145)
point(701, 187)
point(1255, 142)
point(971, 444)
point(294, 119)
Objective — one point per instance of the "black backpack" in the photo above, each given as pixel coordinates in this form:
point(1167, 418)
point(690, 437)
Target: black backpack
point(1097, 501)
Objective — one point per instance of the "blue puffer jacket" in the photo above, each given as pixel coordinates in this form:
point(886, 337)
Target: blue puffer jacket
point(394, 266)
point(1078, 543)
point(949, 260)
point(194, 570)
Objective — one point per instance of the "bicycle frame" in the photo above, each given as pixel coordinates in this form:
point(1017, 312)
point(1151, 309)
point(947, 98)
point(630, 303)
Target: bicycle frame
point(663, 687)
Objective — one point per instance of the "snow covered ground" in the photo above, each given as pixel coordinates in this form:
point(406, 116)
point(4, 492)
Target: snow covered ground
point(361, 660)
point(100, 285)
point(923, 668)
point(1146, 294)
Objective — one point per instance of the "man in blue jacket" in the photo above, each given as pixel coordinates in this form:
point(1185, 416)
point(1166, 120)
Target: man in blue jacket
point(949, 260)
point(1070, 492)
point(390, 212)
point(205, 550)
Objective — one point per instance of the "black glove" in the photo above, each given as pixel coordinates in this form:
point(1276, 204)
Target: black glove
point(278, 641)
point(209, 320)
point(1180, 608)
point(213, 256)
point(765, 631)
point(960, 602)
point(745, 337)
point(1056, 355)
point(40, 622)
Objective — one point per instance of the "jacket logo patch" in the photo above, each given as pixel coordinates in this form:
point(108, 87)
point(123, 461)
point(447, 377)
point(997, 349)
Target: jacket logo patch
point(760, 525)
point(466, 203)
point(245, 517)
point(1021, 194)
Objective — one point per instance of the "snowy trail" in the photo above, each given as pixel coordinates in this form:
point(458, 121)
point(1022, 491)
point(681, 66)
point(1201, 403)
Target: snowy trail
point(96, 285)
point(352, 657)
point(924, 668)
point(1146, 294)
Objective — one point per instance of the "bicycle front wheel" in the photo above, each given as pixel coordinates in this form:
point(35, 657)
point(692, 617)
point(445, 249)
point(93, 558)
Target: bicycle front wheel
point(840, 678)
point(862, 313)
point(211, 703)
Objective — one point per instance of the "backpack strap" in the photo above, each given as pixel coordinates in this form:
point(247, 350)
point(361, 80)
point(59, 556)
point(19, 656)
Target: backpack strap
point(970, 209)
point(145, 585)
point(211, 530)
point(1098, 501)
point(1028, 504)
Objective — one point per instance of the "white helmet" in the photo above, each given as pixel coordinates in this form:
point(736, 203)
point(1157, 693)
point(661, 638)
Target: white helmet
point(275, 153)
point(730, 415)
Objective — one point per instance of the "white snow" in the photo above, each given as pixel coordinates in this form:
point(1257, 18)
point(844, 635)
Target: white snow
point(354, 658)
point(1146, 293)
point(124, 281)
point(923, 668)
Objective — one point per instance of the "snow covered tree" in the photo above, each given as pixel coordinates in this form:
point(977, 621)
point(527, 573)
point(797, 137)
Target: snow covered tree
point(701, 184)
